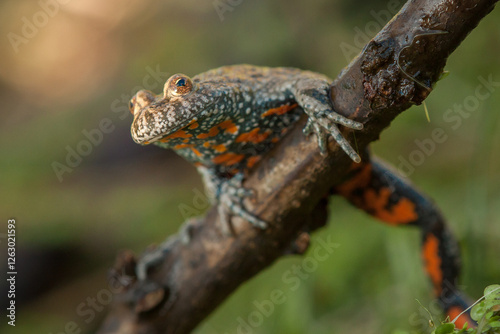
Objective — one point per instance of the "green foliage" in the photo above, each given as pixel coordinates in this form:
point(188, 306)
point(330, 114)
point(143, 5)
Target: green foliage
point(486, 312)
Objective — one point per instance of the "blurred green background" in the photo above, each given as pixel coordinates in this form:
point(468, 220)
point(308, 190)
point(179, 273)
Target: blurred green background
point(67, 68)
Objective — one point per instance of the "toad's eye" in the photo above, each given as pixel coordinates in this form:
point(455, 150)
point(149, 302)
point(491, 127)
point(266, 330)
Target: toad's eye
point(181, 82)
point(178, 85)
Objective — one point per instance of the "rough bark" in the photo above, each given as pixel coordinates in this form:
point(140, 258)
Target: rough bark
point(397, 69)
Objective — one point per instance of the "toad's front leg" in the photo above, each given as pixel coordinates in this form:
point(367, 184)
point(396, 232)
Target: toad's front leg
point(229, 193)
point(312, 96)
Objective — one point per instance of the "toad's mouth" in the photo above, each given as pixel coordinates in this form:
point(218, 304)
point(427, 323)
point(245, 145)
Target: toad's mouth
point(145, 134)
point(171, 131)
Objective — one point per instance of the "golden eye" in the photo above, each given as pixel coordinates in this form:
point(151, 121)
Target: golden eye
point(178, 85)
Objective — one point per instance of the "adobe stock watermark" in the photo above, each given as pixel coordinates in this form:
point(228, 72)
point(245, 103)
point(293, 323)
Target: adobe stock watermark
point(292, 280)
point(95, 136)
point(200, 203)
point(362, 37)
point(32, 26)
point(454, 118)
point(11, 271)
point(223, 6)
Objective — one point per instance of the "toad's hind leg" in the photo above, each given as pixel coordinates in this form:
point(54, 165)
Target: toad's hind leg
point(383, 194)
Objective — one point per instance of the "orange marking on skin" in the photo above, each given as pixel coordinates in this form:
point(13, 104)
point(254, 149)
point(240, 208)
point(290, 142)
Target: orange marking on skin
point(433, 262)
point(279, 110)
point(220, 148)
point(275, 140)
point(206, 144)
point(403, 212)
point(195, 151)
point(177, 134)
point(185, 140)
point(375, 201)
point(454, 311)
point(212, 133)
point(228, 126)
point(253, 136)
point(176, 147)
point(197, 164)
point(228, 159)
point(193, 125)
point(252, 161)
point(360, 180)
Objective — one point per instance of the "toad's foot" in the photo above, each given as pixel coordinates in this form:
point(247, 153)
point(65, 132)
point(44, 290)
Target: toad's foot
point(312, 95)
point(231, 194)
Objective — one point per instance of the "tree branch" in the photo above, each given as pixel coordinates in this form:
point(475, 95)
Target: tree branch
point(397, 69)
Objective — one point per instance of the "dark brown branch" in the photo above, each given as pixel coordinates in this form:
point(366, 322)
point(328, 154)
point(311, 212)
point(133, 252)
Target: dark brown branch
point(395, 70)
